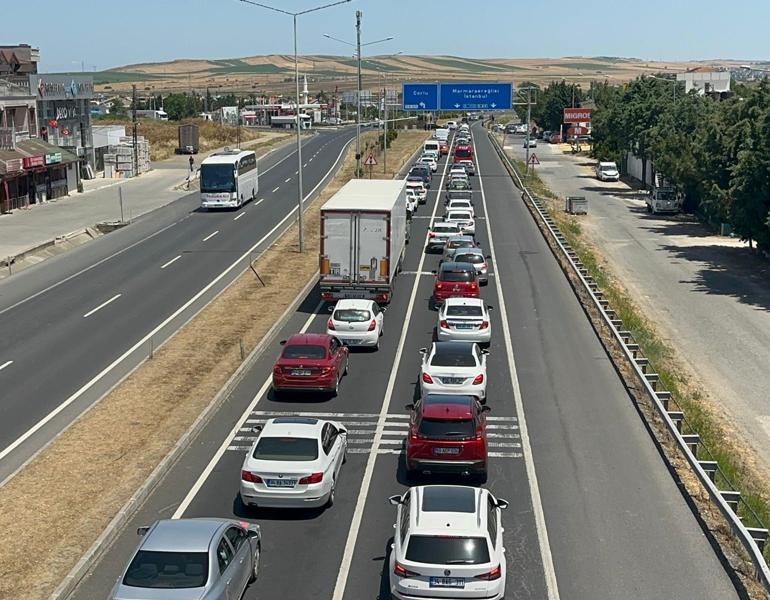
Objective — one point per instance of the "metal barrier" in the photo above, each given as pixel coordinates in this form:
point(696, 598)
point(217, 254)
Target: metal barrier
point(720, 489)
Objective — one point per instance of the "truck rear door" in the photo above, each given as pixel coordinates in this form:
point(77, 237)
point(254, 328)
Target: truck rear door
point(371, 247)
point(339, 242)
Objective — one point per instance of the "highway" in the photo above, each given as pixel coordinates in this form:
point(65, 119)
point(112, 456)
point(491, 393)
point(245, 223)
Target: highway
point(67, 321)
point(594, 513)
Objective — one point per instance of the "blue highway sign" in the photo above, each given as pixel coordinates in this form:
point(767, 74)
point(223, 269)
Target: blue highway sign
point(475, 96)
point(420, 96)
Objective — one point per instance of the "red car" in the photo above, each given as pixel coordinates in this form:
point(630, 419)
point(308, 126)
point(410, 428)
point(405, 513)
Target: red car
point(310, 361)
point(443, 146)
point(463, 152)
point(455, 280)
point(447, 433)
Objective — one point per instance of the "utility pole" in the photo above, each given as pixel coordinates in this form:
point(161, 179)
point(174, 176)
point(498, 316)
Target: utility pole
point(385, 130)
point(135, 124)
point(359, 14)
point(298, 125)
point(529, 120)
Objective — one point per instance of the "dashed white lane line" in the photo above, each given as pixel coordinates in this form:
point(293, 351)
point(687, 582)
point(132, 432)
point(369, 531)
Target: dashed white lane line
point(102, 305)
point(7, 363)
point(311, 158)
point(172, 261)
point(211, 235)
point(305, 165)
point(239, 216)
point(287, 180)
point(276, 189)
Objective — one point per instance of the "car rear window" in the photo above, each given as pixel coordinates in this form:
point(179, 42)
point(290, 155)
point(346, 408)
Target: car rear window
point(286, 448)
point(304, 351)
point(168, 570)
point(444, 227)
point(351, 315)
point(455, 276)
point(447, 550)
point(455, 215)
point(453, 359)
point(464, 311)
point(475, 259)
point(461, 244)
point(456, 428)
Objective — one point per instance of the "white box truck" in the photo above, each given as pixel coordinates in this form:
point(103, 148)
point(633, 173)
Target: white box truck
point(363, 235)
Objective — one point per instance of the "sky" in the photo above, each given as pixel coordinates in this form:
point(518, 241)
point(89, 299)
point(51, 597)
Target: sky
point(102, 35)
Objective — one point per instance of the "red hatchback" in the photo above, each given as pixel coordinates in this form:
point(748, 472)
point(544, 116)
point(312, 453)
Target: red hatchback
point(455, 280)
point(447, 433)
point(443, 146)
point(310, 361)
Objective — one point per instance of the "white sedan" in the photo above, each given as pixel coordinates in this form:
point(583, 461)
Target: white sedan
point(412, 200)
point(430, 161)
point(419, 189)
point(464, 320)
point(464, 219)
point(356, 323)
point(454, 368)
point(461, 204)
point(294, 463)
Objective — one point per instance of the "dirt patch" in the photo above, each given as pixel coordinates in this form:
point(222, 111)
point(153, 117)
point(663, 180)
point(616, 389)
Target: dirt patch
point(56, 507)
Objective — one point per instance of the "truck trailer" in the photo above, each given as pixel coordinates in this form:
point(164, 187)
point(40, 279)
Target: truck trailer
point(188, 139)
point(363, 238)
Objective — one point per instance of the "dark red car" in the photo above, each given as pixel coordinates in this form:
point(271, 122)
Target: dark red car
point(463, 152)
point(447, 433)
point(455, 280)
point(310, 361)
point(443, 146)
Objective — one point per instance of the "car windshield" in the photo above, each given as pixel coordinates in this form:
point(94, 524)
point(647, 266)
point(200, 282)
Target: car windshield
point(459, 216)
point(447, 550)
point(447, 428)
point(286, 448)
point(473, 258)
point(453, 359)
point(665, 195)
point(168, 570)
point(457, 275)
point(304, 351)
point(460, 244)
point(217, 178)
point(609, 168)
point(351, 315)
point(464, 311)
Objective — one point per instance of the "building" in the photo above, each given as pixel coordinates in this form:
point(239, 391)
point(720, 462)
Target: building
point(705, 81)
point(18, 62)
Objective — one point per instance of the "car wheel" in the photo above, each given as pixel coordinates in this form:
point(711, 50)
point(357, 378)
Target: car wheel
point(330, 500)
point(336, 390)
point(255, 566)
point(347, 367)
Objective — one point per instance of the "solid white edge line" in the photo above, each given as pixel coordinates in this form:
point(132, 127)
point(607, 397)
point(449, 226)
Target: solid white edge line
point(51, 415)
point(211, 235)
point(190, 496)
point(7, 363)
point(102, 305)
point(355, 524)
point(171, 262)
point(546, 558)
point(239, 216)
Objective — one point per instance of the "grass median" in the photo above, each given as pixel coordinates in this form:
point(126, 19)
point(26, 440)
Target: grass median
point(56, 507)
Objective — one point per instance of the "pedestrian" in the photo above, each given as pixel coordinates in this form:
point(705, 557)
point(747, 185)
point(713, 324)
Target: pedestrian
point(192, 164)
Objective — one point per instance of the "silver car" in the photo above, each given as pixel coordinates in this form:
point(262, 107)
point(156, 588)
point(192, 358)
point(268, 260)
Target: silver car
point(460, 242)
point(205, 559)
point(476, 257)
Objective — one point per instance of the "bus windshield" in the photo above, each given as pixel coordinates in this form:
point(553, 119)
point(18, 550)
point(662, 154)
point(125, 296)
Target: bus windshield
point(217, 178)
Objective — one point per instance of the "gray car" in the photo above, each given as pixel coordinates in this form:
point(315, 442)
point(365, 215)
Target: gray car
point(204, 559)
point(457, 243)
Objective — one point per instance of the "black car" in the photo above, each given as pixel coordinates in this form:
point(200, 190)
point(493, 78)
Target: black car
point(423, 172)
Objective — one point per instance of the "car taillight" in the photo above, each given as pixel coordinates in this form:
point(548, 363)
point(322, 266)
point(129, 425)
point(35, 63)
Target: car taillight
point(438, 285)
point(277, 369)
point(402, 571)
point(427, 378)
point(431, 234)
point(485, 266)
point(495, 573)
point(443, 324)
point(372, 325)
point(325, 370)
point(479, 379)
point(330, 325)
point(314, 478)
point(484, 324)
point(250, 477)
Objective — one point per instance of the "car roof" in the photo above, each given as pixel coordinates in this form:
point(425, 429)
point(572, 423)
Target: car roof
point(448, 509)
point(456, 266)
point(182, 535)
point(607, 164)
point(462, 238)
point(448, 407)
point(302, 427)
point(303, 339)
point(463, 302)
point(353, 303)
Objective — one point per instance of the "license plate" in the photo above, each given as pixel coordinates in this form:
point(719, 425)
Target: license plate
point(465, 326)
point(280, 483)
point(300, 372)
point(454, 582)
point(350, 342)
point(446, 451)
point(453, 380)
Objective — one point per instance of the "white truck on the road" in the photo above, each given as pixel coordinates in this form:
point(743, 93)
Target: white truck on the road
point(663, 197)
point(363, 238)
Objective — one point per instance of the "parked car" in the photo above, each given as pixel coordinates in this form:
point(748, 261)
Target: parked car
point(295, 462)
point(440, 232)
point(208, 559)
point(356, 322)
point(447, 434)
point(310, 361)
point(477, 258)
point(607, 171)
point(464, 320)
point(455, 280)
point(447, 543)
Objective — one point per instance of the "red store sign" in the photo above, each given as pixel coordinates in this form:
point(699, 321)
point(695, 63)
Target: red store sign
point(577, 115)
point(30, 162)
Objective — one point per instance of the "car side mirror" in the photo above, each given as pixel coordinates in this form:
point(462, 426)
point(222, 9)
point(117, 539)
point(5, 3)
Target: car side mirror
point(142, 530)
point(252, 533)
point(409, 406)
point(395, 500)
point(282, 342)
point(423, 350)
point(342, 430)
point(256, 429)
point(502, 504)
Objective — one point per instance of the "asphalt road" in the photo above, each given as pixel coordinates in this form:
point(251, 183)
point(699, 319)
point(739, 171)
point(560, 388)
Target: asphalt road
point(67, 319)
point(594, 513)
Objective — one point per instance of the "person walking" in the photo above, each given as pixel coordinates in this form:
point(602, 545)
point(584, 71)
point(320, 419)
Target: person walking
point(192, 164)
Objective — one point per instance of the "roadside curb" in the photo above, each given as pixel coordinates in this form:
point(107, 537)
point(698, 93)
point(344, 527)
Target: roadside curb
point(103, 542)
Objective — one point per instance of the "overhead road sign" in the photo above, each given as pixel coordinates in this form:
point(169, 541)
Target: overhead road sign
point(577, 115)
point(420, 96)
point(475, 96)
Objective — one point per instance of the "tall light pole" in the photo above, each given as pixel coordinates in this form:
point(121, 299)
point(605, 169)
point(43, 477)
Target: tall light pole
point(298, 123)
point(358, 45)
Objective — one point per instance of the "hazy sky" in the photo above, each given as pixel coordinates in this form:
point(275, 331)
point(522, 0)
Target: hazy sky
point(109, 34)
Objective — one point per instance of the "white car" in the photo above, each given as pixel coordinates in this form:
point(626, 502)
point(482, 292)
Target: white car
point(451, 125)
point(457, 171)
point(412, 200)
point(430, 161)
point(419, 189)
point(447, 543)
point(356, 322)
point(440, 232)
point(464, 320)
point(468, 165)
point(434, 154)
point(454, 368)
point(476, 257)
point(607, 171)
point(461, 204)
point(294, 463)
point(464, 219)
point(532, 143)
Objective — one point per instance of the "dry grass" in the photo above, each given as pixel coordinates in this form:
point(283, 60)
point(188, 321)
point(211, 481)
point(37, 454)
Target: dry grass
point(56, 507)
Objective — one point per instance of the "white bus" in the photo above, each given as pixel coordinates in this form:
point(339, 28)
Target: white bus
point(228, 179)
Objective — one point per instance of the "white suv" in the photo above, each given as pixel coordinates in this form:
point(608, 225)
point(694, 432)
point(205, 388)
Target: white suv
point(426, 562)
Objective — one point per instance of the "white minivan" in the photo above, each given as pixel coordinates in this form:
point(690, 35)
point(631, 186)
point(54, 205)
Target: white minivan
point(432, 146)
point(441, 134)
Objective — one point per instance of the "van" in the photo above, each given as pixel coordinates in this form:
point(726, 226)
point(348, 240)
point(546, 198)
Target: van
point(663, 198)
point(432, 146)
point(441, 134)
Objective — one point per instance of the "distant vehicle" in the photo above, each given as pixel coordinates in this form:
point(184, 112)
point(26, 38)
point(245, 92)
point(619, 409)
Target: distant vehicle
point(532, 143)
point(431, 146)
point(477, 258)
point(447, 434)
point(294, 463)
point(454, 368)
point(663, 198)
point(441, 134)
point(423, 171)
point(511, 128)
point(451, 125)
point(310, 362)
point(188, 139)
point(454, 280)
point(412, 201)
point(607, 171)
point(430, 560)
point(547, 136)
point(464, 320)
point(455, 184)
point(207, 559)
point(456, 244)
point(463, 152)
point(228, 179)
point(454, 193)
point(434, 154)
point(439, 233)
point(363, 237)
point(443, 147)
point(155, 115)
point(470, 167)
point(356, 322)
point(416, 186)
point(521, 128)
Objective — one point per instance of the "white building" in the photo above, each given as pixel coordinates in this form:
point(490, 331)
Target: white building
point(705, 82)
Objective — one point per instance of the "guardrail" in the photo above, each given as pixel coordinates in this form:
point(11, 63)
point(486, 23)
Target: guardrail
point(721, 491)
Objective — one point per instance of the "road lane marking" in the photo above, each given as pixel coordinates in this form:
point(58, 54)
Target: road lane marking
point(296, 172)
point(546, 558)
point(211, 235)
point(7, 363)
point(304, 166)
point(276, 189)
point(287, 180)
point(172, 261)
point(239, 216)
point(102, 305)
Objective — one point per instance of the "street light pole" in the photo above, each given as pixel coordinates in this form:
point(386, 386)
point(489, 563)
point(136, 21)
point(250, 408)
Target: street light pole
point(529, 120)
point(359, 14)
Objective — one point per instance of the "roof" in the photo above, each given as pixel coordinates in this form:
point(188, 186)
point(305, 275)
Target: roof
point(36, 147)
point(371, 194)
point(293, 427)
point(453, 508)
point(448, 407)
point(608, 163)
point(353, 303)
point(455, 266)
point(318, 339)
point(182, 535)
point(226, 157)
point(463, 302)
